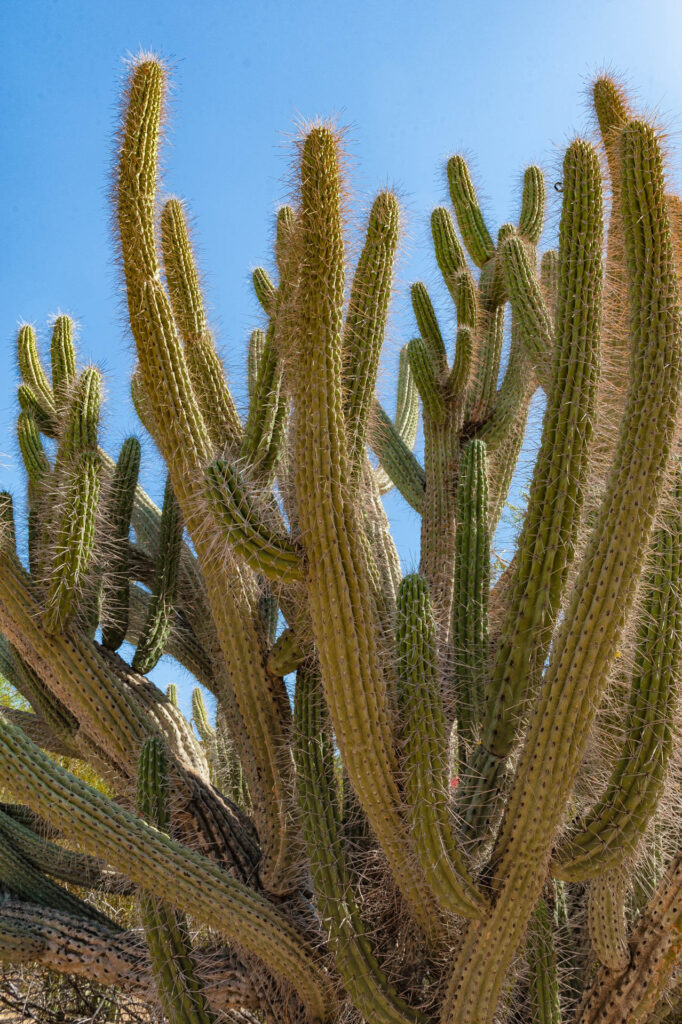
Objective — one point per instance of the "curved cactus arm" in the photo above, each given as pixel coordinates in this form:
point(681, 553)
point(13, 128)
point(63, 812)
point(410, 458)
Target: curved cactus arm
point(272, 554)
point(35, 379)
point(265, 290)
point(512, 395)
point(182, 435)
point(76, 946)
point(476, 236)
point(543, 982)
point(120, 499)
point(164, 867)
point(424, 744)
point(59, 862)
point(205, 367)
point(362, 976)
point(426, 380)
point(25, 881)
point(342, 607)
point(532, 216)
point(611, 832)
point(448, 249)
point(164, 592)
point(603, 591)
point(548, 537)
point(366, 318)
point(606, 919)
point(528, 304)
point(265, 405)
point(37, 729)
point(286, 654)
point(182, 643)
point(180, 991)
point(397, 460)
point(62, 723)
point(472, 582)
point(427, 322)
point(458, 378)
point(406, 419)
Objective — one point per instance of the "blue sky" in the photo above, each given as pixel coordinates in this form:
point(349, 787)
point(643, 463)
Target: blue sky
point(503, 82)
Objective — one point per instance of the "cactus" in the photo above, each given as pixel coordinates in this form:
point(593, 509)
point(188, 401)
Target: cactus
point(465, 807)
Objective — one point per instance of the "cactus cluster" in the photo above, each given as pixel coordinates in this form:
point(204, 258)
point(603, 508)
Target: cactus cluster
point(467, 808)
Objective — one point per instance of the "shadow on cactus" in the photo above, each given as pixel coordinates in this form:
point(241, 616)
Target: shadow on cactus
point(470, 810)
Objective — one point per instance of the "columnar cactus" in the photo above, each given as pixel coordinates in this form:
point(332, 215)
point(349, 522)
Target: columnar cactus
point(464, 808)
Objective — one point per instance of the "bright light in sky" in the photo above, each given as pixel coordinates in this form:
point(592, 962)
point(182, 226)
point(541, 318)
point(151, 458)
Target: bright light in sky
point(503, 82)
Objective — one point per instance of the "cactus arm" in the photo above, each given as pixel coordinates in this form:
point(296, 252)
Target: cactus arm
point(35, 378)
point(549, 279)
point(117, 583)
point(613, 829)
point(603, 592)
point(37, 729)
point(532, 217)
point(395, 441)
point(547, 541)
point(182, 643)
point(164, 867)
point(362, 976)
point(62, 361)
point(469, 217)
point(427, 323)
point(181, 433)
point(272, 554)
point(266, 293)
point(426, 380)
point(366, 318)
point(255, 360)
point(200, 717)
point(528, 304)
point(66, 865)
point(543, 983)
point(472, 582)
point(424, 746)
point(164, 593)
point(206, 370)
point(606, 920)
point(286, 653)
point(180, 991)
point(342, 610)
point(76, 946)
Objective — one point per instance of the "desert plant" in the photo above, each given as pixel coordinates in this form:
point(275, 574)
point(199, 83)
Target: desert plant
point(468, 810)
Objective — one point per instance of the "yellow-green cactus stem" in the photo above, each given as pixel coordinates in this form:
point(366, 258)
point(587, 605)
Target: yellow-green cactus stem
point(265, 290)
point(342, 608)
point(469, 217)
point(549, 279)
point(184, 440)
point(366, 317)
point(276, 556)
point(34, 377)
point(206, 370)
point(612, 831)
point(265, 410)
point(548, 537)
point(426, 380)
point(62, 361)
point(450, 255)
point(606, 919)
point(528, 304)
point(472, 583)
point(164, 592)
point(532, 217)
point(286, 654)
point(603, 593)
point(392, 442)
point(256, 350)
point(427, 323)
point(200, 717)
point(424, 743)
point(543, 981)
point(180, 991)
point(116, 596)
point(365, 982)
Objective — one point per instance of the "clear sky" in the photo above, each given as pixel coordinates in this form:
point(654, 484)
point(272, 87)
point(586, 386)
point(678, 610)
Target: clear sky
point(504, 82)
